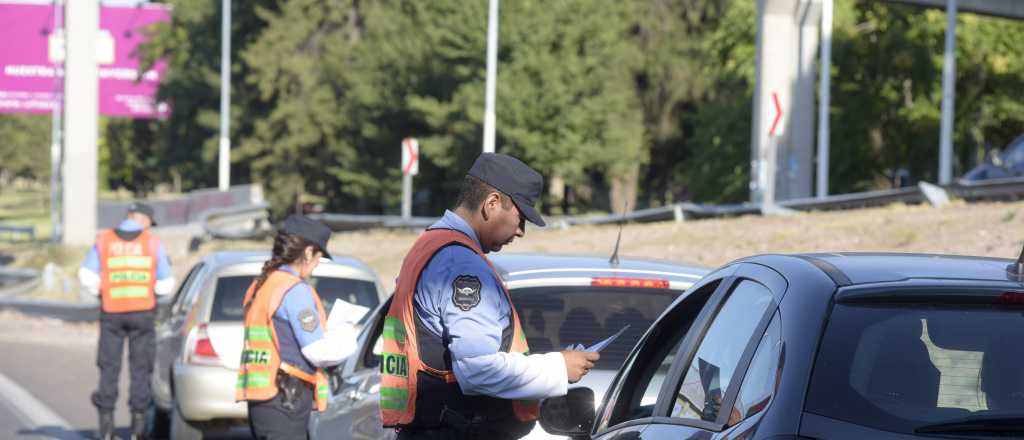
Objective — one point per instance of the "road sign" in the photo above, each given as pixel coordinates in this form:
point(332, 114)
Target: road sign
point(778, 115)
point(410, 157)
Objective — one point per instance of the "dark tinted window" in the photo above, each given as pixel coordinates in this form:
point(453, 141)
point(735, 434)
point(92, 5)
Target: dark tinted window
point(899, 367)
point(635, 393)
point(555, 317)
point(227, 300)
point(708, 376)
point(762, 375)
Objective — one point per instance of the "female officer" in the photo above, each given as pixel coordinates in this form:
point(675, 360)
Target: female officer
point(286, 342)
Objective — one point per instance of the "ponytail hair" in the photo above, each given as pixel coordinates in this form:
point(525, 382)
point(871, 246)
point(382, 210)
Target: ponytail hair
point(288, 248)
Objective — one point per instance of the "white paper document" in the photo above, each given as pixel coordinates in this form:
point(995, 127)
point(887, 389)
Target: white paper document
point(344, 312)
point(596, 348)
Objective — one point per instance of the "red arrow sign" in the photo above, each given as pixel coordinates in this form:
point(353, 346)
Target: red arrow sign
point(412, 150)
point(778, 114)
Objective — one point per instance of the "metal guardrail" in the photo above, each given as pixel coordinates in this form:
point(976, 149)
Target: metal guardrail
point(12, 230)
point(984, 190)
point(247, 222)
point(15, 281)
point(1010, 187)
point(353, 222)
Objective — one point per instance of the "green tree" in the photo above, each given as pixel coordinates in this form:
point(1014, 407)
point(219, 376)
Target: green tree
point(25, 148)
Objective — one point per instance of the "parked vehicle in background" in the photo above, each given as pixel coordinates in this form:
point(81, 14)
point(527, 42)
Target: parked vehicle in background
point(1008, 163)
point(823, 346)
point(561, 300)
point(199, 341)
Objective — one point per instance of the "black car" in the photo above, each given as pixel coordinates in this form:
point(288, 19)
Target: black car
point(823, 346)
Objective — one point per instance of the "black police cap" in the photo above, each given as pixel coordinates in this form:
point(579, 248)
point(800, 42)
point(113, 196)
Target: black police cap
point(143, 209)
point(514, 178)
point(314, 231)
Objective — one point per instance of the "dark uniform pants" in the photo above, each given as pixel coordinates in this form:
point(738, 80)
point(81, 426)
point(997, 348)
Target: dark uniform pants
point(138, 327)
point(275, 420)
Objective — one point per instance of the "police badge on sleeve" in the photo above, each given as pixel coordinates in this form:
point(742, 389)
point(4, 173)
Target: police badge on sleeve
point(466, 292)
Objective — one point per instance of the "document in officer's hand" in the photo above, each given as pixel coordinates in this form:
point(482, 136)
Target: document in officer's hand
point(344, 312)
point(596, 348)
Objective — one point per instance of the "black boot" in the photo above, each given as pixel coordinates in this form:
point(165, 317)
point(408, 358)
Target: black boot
point(106, 429)
point(139, 426)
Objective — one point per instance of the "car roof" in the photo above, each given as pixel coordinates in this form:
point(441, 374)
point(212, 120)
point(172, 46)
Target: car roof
point(220, 259)
point(518, 268)
point(850, 268)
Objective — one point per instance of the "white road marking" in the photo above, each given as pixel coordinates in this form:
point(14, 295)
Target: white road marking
point(31, 411)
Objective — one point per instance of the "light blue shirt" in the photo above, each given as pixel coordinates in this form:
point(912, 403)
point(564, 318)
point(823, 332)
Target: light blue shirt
point(472, 329)
point(163, 263)
point(297, 301)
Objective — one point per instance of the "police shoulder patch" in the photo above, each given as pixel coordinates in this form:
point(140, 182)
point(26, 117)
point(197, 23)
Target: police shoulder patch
point(466, 292)
point(308, 320)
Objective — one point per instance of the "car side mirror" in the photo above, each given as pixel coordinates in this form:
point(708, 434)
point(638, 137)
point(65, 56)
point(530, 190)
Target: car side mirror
point(570, 415)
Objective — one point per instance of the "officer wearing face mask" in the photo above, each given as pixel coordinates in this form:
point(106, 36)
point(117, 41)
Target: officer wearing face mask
point(456, 364)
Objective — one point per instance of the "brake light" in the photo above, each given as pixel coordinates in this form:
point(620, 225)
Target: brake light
point(200, 348)
point(1011, 298)
point(629, 282)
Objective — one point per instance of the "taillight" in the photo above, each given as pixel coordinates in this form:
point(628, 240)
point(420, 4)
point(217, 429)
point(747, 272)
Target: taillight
point(1011, 298)
point(200, 348)
point(629, 282)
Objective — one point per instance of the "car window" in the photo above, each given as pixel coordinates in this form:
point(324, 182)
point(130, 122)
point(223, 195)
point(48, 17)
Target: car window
point(895, 368)
point(555, 317)
point(230, 291)
point(190, 291)
point(190, 279)
point(635, 393)
point(762, 375)
point(708, 375)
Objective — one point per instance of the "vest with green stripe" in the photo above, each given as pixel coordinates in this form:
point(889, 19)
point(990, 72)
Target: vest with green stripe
point(261, 359)
point(127, 272)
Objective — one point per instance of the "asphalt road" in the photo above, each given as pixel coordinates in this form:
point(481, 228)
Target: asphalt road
point(47, 373)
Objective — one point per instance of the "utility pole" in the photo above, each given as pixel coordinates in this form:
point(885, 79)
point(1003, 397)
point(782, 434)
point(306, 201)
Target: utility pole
point(492, 72)
point(81, 126)
point(826, 97)
point(948, 97)
point(56, 37)
point(224, 162)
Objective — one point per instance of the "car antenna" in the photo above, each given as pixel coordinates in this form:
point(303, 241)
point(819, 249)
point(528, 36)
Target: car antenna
point(1016, 270)
point(614, 260)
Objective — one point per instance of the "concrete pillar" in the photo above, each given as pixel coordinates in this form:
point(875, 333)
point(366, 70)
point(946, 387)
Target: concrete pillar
point(787, 43)
point(81, 122)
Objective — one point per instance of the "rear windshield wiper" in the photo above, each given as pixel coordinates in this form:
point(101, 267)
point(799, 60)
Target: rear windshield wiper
point(978, 424)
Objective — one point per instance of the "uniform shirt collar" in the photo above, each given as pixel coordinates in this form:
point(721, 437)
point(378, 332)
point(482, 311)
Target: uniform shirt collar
point(452, 220)
point(288, 269)
point(129, 225)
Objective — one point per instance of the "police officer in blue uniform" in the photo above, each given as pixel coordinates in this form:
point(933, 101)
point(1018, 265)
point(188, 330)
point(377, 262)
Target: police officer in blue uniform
point(137, 327)
point(459, 301)
point(302, 343)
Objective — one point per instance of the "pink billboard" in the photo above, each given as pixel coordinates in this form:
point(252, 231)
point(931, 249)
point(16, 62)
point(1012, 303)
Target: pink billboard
point(29, 79)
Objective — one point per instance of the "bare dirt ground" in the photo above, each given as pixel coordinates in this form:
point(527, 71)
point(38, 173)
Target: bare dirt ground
point(987, 229)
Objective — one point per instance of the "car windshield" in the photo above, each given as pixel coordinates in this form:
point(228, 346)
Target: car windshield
point(227, 300)
point(899, 367)
point(556, 317)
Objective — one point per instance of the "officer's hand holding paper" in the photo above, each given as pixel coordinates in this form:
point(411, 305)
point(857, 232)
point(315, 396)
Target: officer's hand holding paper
point(341, 330)
point(596, 348)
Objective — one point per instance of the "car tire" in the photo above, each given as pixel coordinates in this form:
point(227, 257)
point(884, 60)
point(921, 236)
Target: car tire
point(181, 429)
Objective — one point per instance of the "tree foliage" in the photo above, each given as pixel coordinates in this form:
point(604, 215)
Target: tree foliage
point(640, 102)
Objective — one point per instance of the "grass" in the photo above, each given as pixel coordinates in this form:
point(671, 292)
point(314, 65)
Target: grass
point(24, 207)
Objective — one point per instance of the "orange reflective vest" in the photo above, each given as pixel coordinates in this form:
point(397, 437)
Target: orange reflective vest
point(127, 271)
point(261, 358)
point(401, 363)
